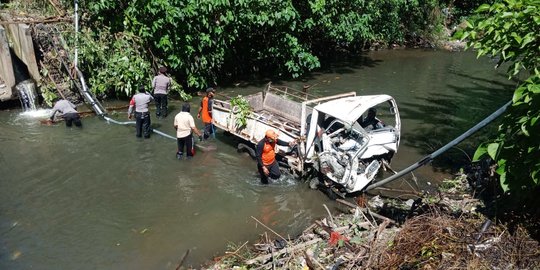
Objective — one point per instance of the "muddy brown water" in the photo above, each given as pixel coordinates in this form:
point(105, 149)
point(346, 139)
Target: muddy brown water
point(98, 198)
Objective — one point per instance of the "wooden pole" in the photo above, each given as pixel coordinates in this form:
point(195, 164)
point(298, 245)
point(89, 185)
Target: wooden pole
point(265, 257)
point(183, 259)
point(54, 20)
point(271, 230)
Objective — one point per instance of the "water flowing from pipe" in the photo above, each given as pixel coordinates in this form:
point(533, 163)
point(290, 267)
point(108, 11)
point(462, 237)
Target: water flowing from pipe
point(27, 95)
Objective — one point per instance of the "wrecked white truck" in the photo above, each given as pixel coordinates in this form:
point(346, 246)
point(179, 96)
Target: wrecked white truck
point(342, 140)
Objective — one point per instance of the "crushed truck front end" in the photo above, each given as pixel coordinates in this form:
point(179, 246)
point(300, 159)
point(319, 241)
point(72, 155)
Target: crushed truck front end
point(348, 144)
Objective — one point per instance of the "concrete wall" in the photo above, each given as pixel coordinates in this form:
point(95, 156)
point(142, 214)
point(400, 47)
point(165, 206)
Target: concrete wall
point(6, 68)
point(19, 38)
point(21, 41)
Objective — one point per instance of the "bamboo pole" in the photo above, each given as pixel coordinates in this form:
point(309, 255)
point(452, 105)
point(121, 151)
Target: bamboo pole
point(288, 243)
point(265, 257)
point(55, 20)
point(183, 259)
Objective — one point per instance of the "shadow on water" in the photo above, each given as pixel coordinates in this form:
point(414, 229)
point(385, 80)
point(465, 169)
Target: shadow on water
point(452, 115)
point(342, 65)
point(348, 65)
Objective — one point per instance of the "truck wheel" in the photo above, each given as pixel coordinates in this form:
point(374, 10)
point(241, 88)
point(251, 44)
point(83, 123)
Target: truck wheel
point(245, 148)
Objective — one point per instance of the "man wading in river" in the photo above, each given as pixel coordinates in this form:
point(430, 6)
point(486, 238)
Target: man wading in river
point(68, 111)
point(205, 112)
point(142, 116)
point(266, 156)
point(184, 125)
point(161, 85)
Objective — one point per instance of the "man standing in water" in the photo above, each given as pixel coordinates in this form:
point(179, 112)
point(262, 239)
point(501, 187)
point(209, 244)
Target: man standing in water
point(68, 112)
point(266, 156)
point(185, 125)
point(139, 102)
point(161, 85)
point(205, 112)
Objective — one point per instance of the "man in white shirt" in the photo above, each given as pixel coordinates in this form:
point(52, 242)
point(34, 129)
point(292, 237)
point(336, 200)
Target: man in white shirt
point(185, 125)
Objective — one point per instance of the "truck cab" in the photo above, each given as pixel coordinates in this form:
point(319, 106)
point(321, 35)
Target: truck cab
point(350, 138)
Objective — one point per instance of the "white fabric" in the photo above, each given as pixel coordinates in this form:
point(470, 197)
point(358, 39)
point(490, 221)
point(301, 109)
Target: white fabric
point(183, 122)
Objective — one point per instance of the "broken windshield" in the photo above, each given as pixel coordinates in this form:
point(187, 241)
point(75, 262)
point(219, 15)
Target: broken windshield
point(346, 138)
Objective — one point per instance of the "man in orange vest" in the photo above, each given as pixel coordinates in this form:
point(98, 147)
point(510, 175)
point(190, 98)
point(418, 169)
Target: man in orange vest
point(205, 112)
point(266, 156)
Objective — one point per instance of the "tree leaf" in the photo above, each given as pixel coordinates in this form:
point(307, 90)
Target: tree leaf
point(503, 183)
point(483, 8)
point(480, 152)
point(492, 150)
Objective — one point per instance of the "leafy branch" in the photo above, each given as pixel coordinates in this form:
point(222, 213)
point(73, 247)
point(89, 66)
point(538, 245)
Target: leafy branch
point(241, 110)
point(508, 31)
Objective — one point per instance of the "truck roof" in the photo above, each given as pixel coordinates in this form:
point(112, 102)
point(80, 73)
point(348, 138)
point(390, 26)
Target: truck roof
point(351, 108)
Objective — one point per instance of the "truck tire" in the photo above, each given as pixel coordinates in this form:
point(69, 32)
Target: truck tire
point(242, 147)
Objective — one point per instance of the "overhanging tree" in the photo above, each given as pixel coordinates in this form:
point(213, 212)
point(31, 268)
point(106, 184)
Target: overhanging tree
point(510, 32)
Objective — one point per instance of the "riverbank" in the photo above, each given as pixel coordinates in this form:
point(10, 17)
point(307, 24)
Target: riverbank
point(441, 231)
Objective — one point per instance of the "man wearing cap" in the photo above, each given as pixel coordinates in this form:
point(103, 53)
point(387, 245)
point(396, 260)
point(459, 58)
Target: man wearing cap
point(185, 125)
point(161, 85)
point(139, 102)
point(205, 112)
point(266, 156)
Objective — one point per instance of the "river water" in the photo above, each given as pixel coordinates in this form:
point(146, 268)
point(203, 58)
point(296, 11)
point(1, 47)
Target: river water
point(98, 198)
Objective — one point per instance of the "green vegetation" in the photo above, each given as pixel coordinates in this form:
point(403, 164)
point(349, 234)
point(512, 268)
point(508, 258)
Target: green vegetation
point(122, 43)
point(241, 110)
point(117, 62)
point(510, 32)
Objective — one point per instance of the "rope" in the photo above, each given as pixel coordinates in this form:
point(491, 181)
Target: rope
point(427, 159)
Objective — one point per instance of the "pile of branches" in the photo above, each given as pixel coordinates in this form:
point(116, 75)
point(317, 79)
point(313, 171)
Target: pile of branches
point(344, 241)
point(441, 241)
point(361, 239)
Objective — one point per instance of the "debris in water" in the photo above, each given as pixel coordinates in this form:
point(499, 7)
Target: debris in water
point(204, 146)
point(430, 236)
point(16, 255)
